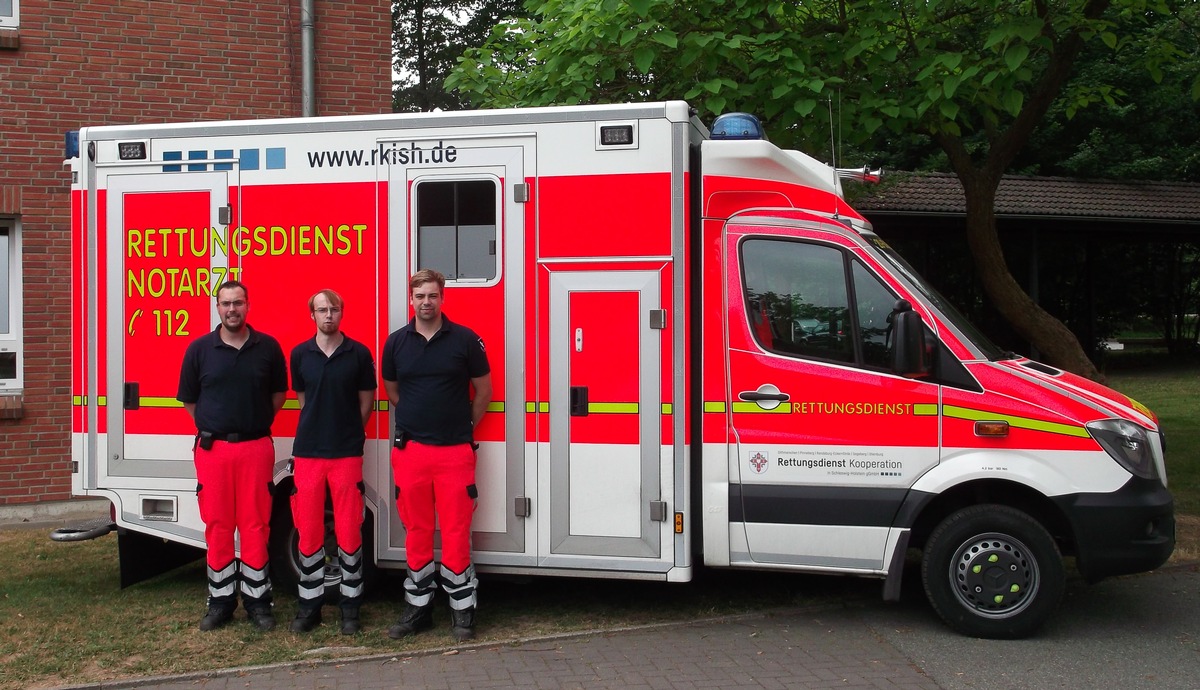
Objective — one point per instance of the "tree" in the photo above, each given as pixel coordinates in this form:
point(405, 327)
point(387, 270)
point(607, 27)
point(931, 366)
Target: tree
point(976, 77)
point(428, 38)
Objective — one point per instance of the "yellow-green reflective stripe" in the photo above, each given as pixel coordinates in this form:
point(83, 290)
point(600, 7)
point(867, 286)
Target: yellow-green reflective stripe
point(784, 408)
point(495, 406)
point(925, 409)
point(612, 408)
point(593, 408)
point(717, 407)
point(1017, 422)
point(151, 401)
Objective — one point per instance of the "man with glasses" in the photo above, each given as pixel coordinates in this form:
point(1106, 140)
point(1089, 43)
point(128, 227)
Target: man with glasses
point(232, 382)
point(334, 379)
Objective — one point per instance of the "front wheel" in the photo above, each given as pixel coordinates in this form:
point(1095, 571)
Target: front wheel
point(993, 571)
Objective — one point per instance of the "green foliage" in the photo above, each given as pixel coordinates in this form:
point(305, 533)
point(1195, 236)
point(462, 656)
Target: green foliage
point(952, 68)
point(427, 40)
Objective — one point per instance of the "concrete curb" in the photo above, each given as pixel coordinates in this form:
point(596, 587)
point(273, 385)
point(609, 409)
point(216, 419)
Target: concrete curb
point(53, 513)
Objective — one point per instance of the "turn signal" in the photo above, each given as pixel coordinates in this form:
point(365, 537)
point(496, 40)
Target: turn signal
point(991, 428)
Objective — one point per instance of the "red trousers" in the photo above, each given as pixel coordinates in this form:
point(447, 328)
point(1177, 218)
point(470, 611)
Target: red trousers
point(441, 480)
point(234, 493)
point(343, 477)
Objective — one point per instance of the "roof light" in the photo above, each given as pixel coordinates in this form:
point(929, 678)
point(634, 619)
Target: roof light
point(737, 126)
point(71, 144)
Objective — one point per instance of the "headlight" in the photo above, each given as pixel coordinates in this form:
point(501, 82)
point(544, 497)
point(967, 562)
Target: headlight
point(1127, 443)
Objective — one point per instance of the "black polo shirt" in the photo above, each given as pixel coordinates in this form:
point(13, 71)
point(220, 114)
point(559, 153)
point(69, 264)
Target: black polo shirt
point(434, 378)
point(232, 388)
point(330, 424)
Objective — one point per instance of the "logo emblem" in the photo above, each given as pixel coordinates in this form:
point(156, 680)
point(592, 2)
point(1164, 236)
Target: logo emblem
point(758, 462)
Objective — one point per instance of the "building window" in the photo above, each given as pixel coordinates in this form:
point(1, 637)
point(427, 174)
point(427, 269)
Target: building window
point(456, 228)
point(10, 308)
point(9, 14)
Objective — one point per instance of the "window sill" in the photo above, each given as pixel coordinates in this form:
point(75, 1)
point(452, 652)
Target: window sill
point(12, 405)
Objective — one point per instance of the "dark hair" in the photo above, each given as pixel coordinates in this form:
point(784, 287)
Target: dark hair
point(232, 285)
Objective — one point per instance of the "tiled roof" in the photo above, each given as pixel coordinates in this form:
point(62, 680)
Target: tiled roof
point(1021, 195)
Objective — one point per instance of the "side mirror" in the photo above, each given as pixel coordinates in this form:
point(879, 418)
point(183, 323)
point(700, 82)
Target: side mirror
point(908, 341)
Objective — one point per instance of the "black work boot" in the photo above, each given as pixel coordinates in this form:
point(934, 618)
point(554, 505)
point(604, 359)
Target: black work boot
point(306, 620)
point(462, 624)
point(262, 617)
point(217, 615)
point(350, 624)
point(412, 621)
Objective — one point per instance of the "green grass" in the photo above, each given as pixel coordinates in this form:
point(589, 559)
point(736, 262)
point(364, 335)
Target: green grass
point(1173, 395)
point(65, 620)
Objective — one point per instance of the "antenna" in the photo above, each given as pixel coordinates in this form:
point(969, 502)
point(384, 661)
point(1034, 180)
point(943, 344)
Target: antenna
point(833, 156)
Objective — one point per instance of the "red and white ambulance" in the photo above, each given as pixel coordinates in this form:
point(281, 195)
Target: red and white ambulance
point(701, 354)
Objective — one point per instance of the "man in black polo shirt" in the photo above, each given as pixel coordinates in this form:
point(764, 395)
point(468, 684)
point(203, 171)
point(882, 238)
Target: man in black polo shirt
point(233, 381)
point(334, 379)
point(428, 369)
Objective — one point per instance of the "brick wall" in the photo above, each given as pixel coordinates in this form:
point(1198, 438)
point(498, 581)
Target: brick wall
point(123, 61)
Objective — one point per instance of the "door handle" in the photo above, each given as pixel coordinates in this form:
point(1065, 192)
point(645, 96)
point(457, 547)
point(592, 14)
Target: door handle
point(133, 400)
point(579, 401)
point(755, 396)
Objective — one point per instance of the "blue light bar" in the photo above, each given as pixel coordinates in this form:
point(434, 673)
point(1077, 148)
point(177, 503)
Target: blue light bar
point(737, 126)
point(72, 144)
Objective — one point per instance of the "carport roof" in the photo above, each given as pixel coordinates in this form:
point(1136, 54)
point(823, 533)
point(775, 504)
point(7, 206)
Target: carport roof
point(1044, 197)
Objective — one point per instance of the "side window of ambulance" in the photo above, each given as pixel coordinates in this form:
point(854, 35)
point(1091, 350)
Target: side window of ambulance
point(456, 228)
point(796, 298)
point(873, 302)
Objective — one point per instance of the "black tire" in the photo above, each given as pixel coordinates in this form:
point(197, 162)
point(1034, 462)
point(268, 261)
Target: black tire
point(993, 571)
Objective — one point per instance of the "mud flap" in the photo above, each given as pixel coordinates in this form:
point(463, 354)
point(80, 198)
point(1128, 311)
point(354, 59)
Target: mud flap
point(143, 557)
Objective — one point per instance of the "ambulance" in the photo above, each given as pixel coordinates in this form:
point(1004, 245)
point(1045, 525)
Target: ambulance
point(701, 355)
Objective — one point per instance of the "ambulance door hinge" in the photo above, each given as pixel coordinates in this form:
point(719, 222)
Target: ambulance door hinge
point(522, 506)
point(658, 511)
point(658, 319)
point(521, 192)
point(225, 215)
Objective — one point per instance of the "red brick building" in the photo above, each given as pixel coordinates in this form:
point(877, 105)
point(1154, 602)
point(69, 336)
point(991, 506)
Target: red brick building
point(64, 65)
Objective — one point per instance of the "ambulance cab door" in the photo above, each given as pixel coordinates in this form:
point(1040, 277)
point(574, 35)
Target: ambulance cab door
point(165, 253)
point(458, 206)
point(827, 439)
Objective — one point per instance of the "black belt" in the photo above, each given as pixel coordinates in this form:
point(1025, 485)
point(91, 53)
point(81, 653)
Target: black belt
point(241, 436)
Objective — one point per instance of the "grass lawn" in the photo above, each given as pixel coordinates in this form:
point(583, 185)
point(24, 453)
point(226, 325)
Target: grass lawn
point(65, 620)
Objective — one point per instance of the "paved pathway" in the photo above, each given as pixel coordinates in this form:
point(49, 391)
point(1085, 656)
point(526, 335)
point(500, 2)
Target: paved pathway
point(791, 649)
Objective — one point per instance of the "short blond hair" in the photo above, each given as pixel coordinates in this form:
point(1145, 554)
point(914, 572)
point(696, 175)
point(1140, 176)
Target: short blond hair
point(334, 299)
point(426, 275)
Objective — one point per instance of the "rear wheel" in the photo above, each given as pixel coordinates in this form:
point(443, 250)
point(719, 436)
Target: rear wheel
point(993, 571)
point(284, 550)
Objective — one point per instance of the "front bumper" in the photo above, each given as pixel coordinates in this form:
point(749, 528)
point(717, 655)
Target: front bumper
point(1130, 530)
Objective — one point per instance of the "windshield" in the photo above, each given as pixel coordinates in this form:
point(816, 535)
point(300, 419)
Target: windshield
point(947, 310)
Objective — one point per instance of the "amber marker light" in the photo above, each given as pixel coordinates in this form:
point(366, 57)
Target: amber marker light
point(678, 523)
point(991, 428)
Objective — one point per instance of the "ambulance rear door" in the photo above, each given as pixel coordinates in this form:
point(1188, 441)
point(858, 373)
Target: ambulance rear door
point(166, 252)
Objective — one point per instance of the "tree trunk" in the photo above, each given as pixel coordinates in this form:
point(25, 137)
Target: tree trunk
point(1056, 343)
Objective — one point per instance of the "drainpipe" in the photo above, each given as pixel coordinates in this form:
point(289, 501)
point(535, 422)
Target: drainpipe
point(308, 60)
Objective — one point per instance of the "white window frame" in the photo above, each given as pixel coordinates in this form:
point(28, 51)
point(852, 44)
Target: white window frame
point(14, 20)
point(12, 341)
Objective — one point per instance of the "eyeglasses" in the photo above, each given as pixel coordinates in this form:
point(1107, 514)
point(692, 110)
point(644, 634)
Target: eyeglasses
point(328, 310)
point(238, 303)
